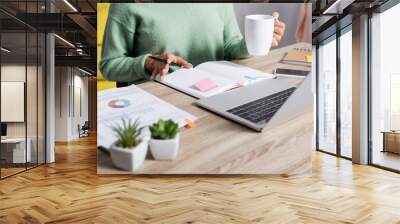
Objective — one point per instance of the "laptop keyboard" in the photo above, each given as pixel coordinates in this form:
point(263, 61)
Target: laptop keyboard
point(262, 109)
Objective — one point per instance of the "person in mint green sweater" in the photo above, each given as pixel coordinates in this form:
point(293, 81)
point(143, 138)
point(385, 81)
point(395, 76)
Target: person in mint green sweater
point(184, 33)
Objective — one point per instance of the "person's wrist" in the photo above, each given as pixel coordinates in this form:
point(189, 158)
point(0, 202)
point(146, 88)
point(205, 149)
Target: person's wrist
point(148, 64)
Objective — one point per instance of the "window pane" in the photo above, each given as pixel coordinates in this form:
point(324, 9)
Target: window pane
point(31, 97)
point(22, 89)
point(395, 101)
point(41, 98)
point(385, 89)
point(14, 153)
point(346, 93)
point(327, 97)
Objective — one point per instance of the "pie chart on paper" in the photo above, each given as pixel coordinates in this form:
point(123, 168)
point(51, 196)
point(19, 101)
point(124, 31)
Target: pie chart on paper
point(119, 103)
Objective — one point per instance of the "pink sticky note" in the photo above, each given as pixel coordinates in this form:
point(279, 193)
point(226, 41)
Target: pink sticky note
point(204, 85)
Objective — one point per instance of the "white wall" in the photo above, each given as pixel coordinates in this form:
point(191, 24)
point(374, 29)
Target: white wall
point(71, 93)
point(80, 109)
point(12, 73)
point(82, 82)
point(62, 80)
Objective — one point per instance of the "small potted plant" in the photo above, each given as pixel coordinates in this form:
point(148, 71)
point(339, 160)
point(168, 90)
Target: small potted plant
point(129, 151)
point(164, 140)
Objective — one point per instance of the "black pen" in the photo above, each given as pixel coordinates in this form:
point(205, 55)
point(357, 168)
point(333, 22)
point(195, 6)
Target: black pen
point(164, 61)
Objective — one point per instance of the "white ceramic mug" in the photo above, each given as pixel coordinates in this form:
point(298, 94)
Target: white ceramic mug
point(259, 31)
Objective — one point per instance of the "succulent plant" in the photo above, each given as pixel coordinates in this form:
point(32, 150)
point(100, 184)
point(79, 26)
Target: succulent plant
point(164, 129)
point(128, 133)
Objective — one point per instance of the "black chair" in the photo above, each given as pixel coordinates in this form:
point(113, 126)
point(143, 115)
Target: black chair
point(84, 130)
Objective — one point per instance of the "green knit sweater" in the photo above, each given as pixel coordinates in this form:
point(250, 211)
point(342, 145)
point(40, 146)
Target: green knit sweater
point(195, 32)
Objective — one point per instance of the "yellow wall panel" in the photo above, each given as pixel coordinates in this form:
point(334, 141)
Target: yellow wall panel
point(102, 14)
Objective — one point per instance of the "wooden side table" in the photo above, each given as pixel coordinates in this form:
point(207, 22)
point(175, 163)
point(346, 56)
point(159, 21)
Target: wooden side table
point(391, 141)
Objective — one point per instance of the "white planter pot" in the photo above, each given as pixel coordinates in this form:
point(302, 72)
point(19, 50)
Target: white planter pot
point(129, 159)
point(164, 149)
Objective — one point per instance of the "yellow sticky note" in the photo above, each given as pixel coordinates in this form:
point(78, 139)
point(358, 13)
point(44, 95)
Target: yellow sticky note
point(308, 58)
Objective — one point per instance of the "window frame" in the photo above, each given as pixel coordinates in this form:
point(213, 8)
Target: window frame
point(27, 29)
point(378, 10)
point(334, 37)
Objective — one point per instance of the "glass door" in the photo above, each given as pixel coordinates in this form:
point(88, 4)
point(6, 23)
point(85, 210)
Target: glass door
point(346, 92)
point(14, 155)
point(22, 88)
point(35, 89)
point(327, 96)
point(334, 94)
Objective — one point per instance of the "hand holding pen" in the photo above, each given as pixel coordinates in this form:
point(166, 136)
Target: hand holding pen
point(160, 64)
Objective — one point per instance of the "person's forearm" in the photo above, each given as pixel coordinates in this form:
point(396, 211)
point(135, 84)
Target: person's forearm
point(236, 50)
point(234, 44)
point(124, 68)
point(117, 62)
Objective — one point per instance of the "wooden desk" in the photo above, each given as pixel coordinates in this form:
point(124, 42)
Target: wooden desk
point(220, 146)
point(391, 141)
point(16, 153)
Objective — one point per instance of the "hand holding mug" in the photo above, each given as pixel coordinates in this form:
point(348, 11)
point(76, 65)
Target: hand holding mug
point(279, 30)
point(262, 32)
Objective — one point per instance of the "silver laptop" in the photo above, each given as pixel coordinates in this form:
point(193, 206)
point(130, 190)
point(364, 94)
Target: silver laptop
point(265, 103)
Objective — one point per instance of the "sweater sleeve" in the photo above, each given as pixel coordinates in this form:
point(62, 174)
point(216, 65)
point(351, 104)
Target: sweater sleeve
point(117, 62)
point(234, 43)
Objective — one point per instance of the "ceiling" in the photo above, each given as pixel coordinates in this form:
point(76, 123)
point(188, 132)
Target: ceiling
point(40, 5)
point(331, 15)
point(72, 20)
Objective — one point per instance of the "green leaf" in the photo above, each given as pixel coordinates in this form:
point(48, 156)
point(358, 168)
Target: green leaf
point(164, 129)
point(128, 133)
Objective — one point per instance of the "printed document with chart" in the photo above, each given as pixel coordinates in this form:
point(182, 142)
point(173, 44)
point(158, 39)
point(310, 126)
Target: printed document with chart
point(133, 103)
